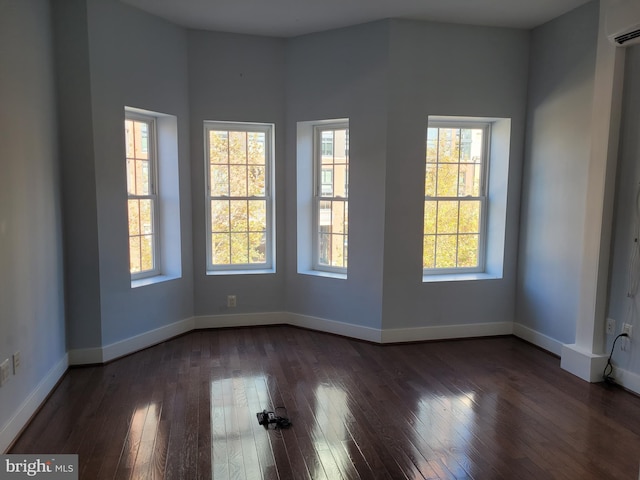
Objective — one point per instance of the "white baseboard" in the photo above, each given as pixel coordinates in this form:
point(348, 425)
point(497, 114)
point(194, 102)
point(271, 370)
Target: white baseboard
point(240, 320)
point(339, 328)
point(417, 334)
point(31, 404)
point(582, 363)
point(538, 339)
point(627, 379)
point(86, 356)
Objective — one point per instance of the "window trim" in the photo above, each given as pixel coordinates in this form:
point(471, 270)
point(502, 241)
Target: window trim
point(154, 195)
point(486, 126)
point(318, 128)
point(249, 268)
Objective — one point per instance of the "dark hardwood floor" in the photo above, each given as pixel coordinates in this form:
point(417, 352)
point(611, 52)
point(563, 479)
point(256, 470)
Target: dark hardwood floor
point(493, 408)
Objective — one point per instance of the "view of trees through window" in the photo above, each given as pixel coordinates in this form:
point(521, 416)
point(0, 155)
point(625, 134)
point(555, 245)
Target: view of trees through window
point(454, 197)
point(238, 190)
point(332, 200)
point(141, 195)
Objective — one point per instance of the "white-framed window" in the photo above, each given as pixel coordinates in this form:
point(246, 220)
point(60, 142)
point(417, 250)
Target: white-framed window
point(240, 220)
point(455, 196)
point(142, 194)
point(331, 197)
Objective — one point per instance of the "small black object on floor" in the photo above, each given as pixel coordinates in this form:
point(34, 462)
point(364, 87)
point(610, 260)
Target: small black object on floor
point(270, 418)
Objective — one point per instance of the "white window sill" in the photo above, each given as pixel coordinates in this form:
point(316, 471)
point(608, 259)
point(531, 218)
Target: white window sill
point(458, 277)
point(320, 273)
point(143, 282)
point(263, 271)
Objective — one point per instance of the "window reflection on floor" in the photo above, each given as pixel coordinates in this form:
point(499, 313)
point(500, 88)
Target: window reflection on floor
point(240, 448)
point(331, 415)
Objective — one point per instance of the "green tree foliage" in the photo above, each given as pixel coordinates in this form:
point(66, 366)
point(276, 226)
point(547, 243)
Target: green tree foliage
point(452, 206)
point(238, 175)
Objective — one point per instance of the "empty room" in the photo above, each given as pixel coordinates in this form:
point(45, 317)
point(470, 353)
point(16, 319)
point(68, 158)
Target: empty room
point(330, 240)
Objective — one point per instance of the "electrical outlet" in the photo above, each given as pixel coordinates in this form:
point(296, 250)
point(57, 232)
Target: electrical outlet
point(231, 301)
point(16, 363)
point(611, 326)
point(627, 328)
point(4, 371)
point(626, 341)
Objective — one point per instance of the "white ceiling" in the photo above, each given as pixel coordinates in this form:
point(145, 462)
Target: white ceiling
point(288, 18)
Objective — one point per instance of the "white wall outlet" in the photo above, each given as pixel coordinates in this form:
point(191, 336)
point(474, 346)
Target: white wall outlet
point(626, 341)
point(16, 362)
point(611, 326)
point(4, 371)
point(231, 301)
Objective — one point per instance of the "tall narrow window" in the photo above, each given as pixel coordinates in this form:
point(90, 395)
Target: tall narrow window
point(239, 161)
point(455, 202)
point(142, 195)
point(331, 178)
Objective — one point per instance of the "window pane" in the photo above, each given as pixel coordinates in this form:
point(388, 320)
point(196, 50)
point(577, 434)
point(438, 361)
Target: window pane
point(146, 252)
point(430, 180)
point(219, 215)
point(218, 146)
point(429, 251)
point(257, 215)
point(239, 248)
point(447, 217)
point(432, 145)
point(448, 145)
point(469, 216)
point(128, 138)
point(134, 255)
point(146, 217)
point(337, 217)
point(324, 216)
point(256, 148)
point(337, 251)
point(324, 248)
point(326, 146)
point(238, 180)
point(257, 178)
point(468, 250)
point(446, 246)
point(131, 177)
point(340, 181)
point(238, 147)
point(257, 248)
point(134, 217)
point(326, 181)
point(430, 210)
point(141, 140)
point(239, 216)
point(447, 180)
point(469, 180)
point(219, 180)
point(340, 146)
point(220, 246)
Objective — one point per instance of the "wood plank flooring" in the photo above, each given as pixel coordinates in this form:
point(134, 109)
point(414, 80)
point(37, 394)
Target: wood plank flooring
point(493, 408)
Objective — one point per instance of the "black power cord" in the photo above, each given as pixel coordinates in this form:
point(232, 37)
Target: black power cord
point(266, 418)
point(608, 370)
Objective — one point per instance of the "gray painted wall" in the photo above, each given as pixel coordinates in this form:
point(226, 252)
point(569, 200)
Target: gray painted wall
point(627, 217)
point(562, 66)
point(235, 78)
point(478, 72)
point(112, 56)
point(342, 74)
point(31, 270)
point(136, 60)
